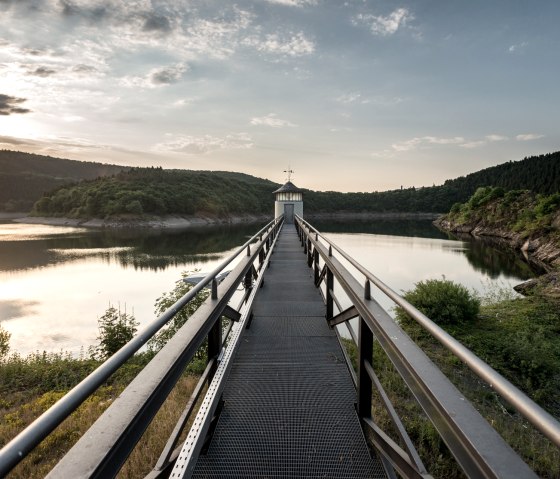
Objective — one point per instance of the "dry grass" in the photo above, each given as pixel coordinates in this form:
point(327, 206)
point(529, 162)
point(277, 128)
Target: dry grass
point(20, 409)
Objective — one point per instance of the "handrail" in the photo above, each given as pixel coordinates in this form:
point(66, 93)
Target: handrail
point(542, 420)
point(13, 452)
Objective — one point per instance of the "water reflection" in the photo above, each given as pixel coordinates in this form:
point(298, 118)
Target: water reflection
point(395, 227)
point(57, 281)
point(140, 249)
point(484, 255)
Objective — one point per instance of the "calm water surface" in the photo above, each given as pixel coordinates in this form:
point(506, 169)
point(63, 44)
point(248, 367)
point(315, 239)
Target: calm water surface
point(56, 281)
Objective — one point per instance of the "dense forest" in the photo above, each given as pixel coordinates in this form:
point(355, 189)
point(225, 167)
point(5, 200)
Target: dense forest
point(24, 177)
point(156, 191)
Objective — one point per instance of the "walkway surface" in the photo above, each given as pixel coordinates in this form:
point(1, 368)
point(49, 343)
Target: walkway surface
point(289, 400)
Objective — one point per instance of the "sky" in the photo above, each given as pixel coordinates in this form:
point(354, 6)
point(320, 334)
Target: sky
point(353, 96)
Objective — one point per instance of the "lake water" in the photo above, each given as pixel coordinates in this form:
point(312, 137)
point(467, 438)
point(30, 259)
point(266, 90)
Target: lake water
point(56, 281)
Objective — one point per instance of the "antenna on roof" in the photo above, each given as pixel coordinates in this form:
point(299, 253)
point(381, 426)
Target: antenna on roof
point(289, 171)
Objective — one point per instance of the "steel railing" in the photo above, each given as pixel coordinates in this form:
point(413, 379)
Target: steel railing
point(478, 449)
point(106, 445)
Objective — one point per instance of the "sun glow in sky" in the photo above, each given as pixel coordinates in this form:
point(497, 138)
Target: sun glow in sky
point(355, 96)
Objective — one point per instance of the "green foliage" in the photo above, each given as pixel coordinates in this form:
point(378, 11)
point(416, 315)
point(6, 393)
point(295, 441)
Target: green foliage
point(24, 178)
point(4, 342)
point(519, 211)
point(547, 205)
point(164, 302)
point(443, 301)
point(115, 330)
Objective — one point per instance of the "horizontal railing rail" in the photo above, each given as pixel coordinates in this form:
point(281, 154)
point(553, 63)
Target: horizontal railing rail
point(113, 436)
point(478, 449)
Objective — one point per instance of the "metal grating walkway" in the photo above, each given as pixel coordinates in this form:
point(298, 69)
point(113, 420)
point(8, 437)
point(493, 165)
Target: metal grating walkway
point(289, 401)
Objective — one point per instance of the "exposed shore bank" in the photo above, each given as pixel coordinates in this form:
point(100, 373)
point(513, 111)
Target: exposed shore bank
point(542, 248)
point(161, 222)
point(179, 222)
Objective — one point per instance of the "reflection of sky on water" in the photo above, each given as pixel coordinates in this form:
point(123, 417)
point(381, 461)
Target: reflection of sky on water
point(401, 262)
point(55, 284)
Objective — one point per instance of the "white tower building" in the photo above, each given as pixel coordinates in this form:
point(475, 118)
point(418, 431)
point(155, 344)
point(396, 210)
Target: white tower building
point(288, 202)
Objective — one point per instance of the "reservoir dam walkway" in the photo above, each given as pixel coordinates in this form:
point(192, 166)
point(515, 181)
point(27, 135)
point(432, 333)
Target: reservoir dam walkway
point(289, 403)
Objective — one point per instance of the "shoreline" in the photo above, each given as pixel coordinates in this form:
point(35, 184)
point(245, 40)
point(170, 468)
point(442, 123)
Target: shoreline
point(162, 222)
point(184, 221)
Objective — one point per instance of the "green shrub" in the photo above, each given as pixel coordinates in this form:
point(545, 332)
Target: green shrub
point(443, 301)
point(547, 205)
point(115, 330)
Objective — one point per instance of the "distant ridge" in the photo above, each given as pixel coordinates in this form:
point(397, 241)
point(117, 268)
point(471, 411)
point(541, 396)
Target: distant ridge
point(24, 177)
point(113, 190)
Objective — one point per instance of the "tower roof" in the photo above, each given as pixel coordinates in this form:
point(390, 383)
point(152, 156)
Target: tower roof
point(288, 187)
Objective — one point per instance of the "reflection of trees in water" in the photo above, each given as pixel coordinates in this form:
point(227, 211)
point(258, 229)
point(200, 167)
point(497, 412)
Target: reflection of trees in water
point(395, 227)
point(141, 249)
point(485, 255)
point(493, 257)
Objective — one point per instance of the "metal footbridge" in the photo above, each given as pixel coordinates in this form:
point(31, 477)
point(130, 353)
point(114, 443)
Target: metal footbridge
point(279, 397)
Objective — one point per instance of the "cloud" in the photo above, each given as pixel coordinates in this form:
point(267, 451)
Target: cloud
point(517, 48)
point(293, 3)
point(290, 45)
point(168, 75)
point(42, 72)
point(473, 144)
point(496, 138)
point(83, 69)
point(272, 121)
point(353, 97)
point(426, 140)
point(93, 13)
point(384, 26)
point(157, 77)
point(200, 145)
point(529, 137)
point(9, 105)
point(156, 23)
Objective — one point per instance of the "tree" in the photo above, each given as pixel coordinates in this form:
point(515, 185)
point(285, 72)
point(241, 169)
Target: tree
point(115, 330)
point(4, 342)
point(165, 301)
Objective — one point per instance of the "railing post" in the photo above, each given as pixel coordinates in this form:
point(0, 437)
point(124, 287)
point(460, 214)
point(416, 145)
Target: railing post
point(214, 346)
point(365, 353)
point(316, 268)
point(329, 296)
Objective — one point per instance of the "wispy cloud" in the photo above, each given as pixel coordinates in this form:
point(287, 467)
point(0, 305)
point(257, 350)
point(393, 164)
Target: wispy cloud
point(157, 77)
point(352, 97)
point(272, 121)
point(293, 3)
point(288, 45)
point(384, 25)
point(426, 140)
point(517, 48)
point(528, 136)
point(495, 137)
point(10, 105)
point(200, 145)
point(42, 72)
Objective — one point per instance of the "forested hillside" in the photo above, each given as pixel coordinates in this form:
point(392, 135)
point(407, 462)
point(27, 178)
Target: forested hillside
point(540, 174)
point(158, 192)
point(24, 177)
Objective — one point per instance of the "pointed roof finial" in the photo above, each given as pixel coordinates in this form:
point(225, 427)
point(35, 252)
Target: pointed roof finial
point(289, 171)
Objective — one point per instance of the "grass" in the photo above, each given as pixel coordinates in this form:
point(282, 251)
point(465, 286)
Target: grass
point(519, 338)
point(30, 385)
